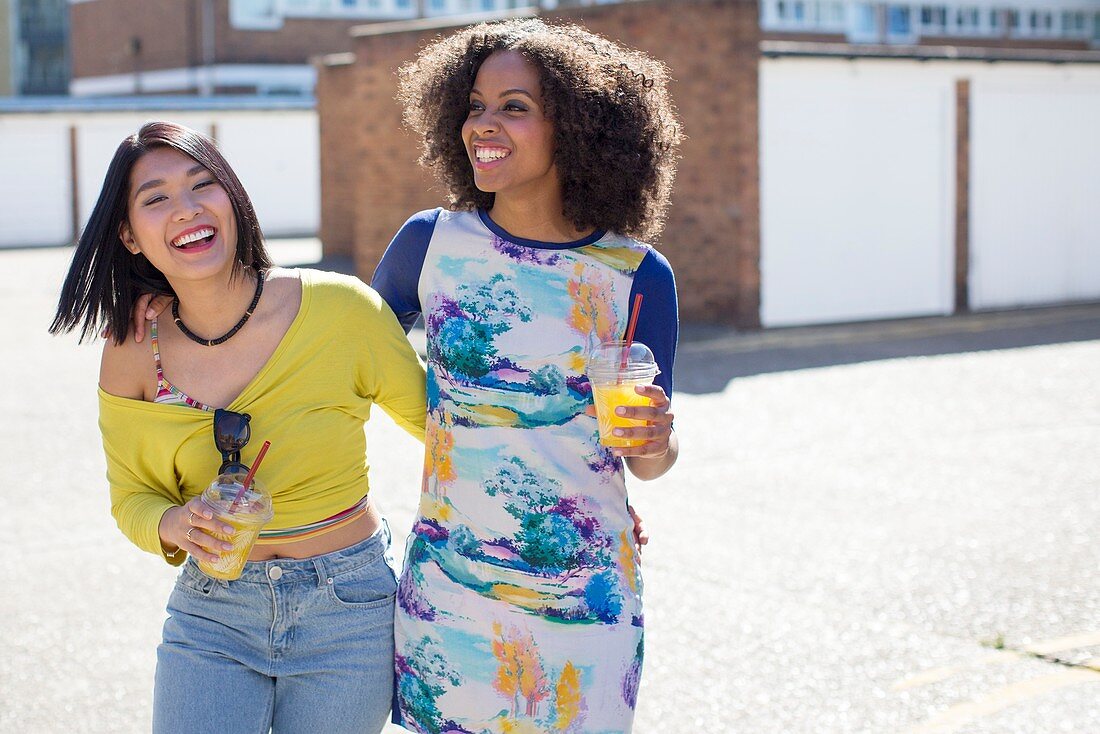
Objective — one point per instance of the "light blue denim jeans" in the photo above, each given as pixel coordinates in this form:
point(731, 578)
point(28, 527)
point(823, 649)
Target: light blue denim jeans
point(293, 646)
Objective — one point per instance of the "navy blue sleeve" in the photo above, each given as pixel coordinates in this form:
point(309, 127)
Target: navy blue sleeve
point(658, 324)
point(397, 276)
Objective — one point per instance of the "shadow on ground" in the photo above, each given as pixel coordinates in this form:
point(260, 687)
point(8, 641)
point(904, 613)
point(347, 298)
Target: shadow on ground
point(709, 357)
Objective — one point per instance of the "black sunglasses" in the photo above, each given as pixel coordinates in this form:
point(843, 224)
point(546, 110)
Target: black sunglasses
point(231, 434)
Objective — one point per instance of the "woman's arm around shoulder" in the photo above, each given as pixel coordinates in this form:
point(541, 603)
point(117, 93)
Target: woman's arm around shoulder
point(387, 368)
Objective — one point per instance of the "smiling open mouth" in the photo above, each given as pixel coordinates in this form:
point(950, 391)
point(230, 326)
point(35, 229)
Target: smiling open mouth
point(194, 239)
point(485, 155)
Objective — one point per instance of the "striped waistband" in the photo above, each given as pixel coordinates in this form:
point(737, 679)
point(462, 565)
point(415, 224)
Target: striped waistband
point(301, 532)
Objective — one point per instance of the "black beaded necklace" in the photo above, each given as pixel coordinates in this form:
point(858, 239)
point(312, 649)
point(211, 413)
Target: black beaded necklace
point(237, 327)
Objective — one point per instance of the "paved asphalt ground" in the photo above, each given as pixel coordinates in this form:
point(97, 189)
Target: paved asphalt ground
point(877, 528)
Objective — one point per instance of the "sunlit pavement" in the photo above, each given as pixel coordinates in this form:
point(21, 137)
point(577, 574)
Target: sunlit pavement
point(906, 544)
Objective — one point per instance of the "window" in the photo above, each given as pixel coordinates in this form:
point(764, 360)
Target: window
point(864, 23)
point(1073, 23)
point(1040, 22)
point(933, 18)
point(995, 20)
point(966, 21)
point(792, 13)
point(831, 15)
point(488, 4)
point(254, 14)
point(46, 71)
point(897, 21)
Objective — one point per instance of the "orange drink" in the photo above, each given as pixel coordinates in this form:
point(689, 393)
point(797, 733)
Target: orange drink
point(607, 398)
point(614, 370)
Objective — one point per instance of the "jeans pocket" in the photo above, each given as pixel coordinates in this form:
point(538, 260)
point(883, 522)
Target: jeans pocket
point(194, 581)
point(369, 586)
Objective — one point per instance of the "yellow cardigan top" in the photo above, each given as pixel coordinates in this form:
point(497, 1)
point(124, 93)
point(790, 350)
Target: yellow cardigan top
point(343, 352)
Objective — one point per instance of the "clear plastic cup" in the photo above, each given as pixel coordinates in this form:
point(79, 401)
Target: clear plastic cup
point(247, 517)
point(613, 380)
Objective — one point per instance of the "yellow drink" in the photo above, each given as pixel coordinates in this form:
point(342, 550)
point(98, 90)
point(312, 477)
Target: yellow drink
point(230, 563)
point(607, 397)
point(246, 516)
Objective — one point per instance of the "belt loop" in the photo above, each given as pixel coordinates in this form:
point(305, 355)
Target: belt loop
point(322, 573)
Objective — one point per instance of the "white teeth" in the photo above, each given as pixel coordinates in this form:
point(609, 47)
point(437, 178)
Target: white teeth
point(193, 237)
point(484, 155)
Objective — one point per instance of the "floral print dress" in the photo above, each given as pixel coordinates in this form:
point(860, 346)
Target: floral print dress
point(519, 606)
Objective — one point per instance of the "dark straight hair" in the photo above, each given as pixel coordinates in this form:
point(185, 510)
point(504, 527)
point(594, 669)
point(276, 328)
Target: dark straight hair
point(105, 279)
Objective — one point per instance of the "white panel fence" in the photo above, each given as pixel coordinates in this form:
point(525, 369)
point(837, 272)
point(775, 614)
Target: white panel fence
point(857, 191)
point(857, 187)
point(275, 152)
point(1035, 190)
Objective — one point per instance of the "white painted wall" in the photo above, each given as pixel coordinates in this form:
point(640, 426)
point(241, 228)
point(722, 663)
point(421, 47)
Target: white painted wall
point(280, 168)
point(1035, 187)
point(35, 181)
point(857, 187)
point(274, 152)
point(857, 191)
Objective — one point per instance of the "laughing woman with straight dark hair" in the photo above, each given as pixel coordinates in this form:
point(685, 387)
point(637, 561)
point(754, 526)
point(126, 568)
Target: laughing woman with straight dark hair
point(303, 641)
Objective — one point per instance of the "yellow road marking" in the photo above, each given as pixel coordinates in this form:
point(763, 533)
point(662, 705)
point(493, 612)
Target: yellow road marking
point(1042, 647)
point(1045, 647)
point(956, 716)
point(935, 675)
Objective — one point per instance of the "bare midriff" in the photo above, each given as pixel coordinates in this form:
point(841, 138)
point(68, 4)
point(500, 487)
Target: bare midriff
point(355, 531)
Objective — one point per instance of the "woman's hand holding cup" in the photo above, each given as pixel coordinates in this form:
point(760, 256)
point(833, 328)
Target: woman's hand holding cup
point(652, 439)
point(188, 528)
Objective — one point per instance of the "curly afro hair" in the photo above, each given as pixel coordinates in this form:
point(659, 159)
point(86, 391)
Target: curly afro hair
point(615, 128)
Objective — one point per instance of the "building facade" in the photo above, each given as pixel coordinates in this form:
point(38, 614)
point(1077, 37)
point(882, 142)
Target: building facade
point(34, 55)
point(820, 181)
point(142, 47)
point(1040, 23)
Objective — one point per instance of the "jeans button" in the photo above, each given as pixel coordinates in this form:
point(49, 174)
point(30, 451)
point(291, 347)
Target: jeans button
point(274, 573)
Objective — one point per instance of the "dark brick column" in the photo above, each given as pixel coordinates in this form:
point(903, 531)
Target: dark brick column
point(962, 195)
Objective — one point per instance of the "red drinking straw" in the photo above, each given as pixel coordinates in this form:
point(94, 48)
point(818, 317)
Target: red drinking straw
point(630, 329)
point(248, 477)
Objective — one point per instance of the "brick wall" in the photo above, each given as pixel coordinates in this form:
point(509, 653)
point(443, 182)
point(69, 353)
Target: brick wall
point(170, 32)
point(101, 33)
point(962, 195)
point(294, 43)
point(338, 91)
point(713, 234)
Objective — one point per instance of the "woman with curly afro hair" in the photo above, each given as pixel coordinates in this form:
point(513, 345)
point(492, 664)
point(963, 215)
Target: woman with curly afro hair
point(519, 607)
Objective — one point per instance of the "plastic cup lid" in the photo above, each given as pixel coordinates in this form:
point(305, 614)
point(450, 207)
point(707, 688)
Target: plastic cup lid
point(255, 503)
point(607, 360)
